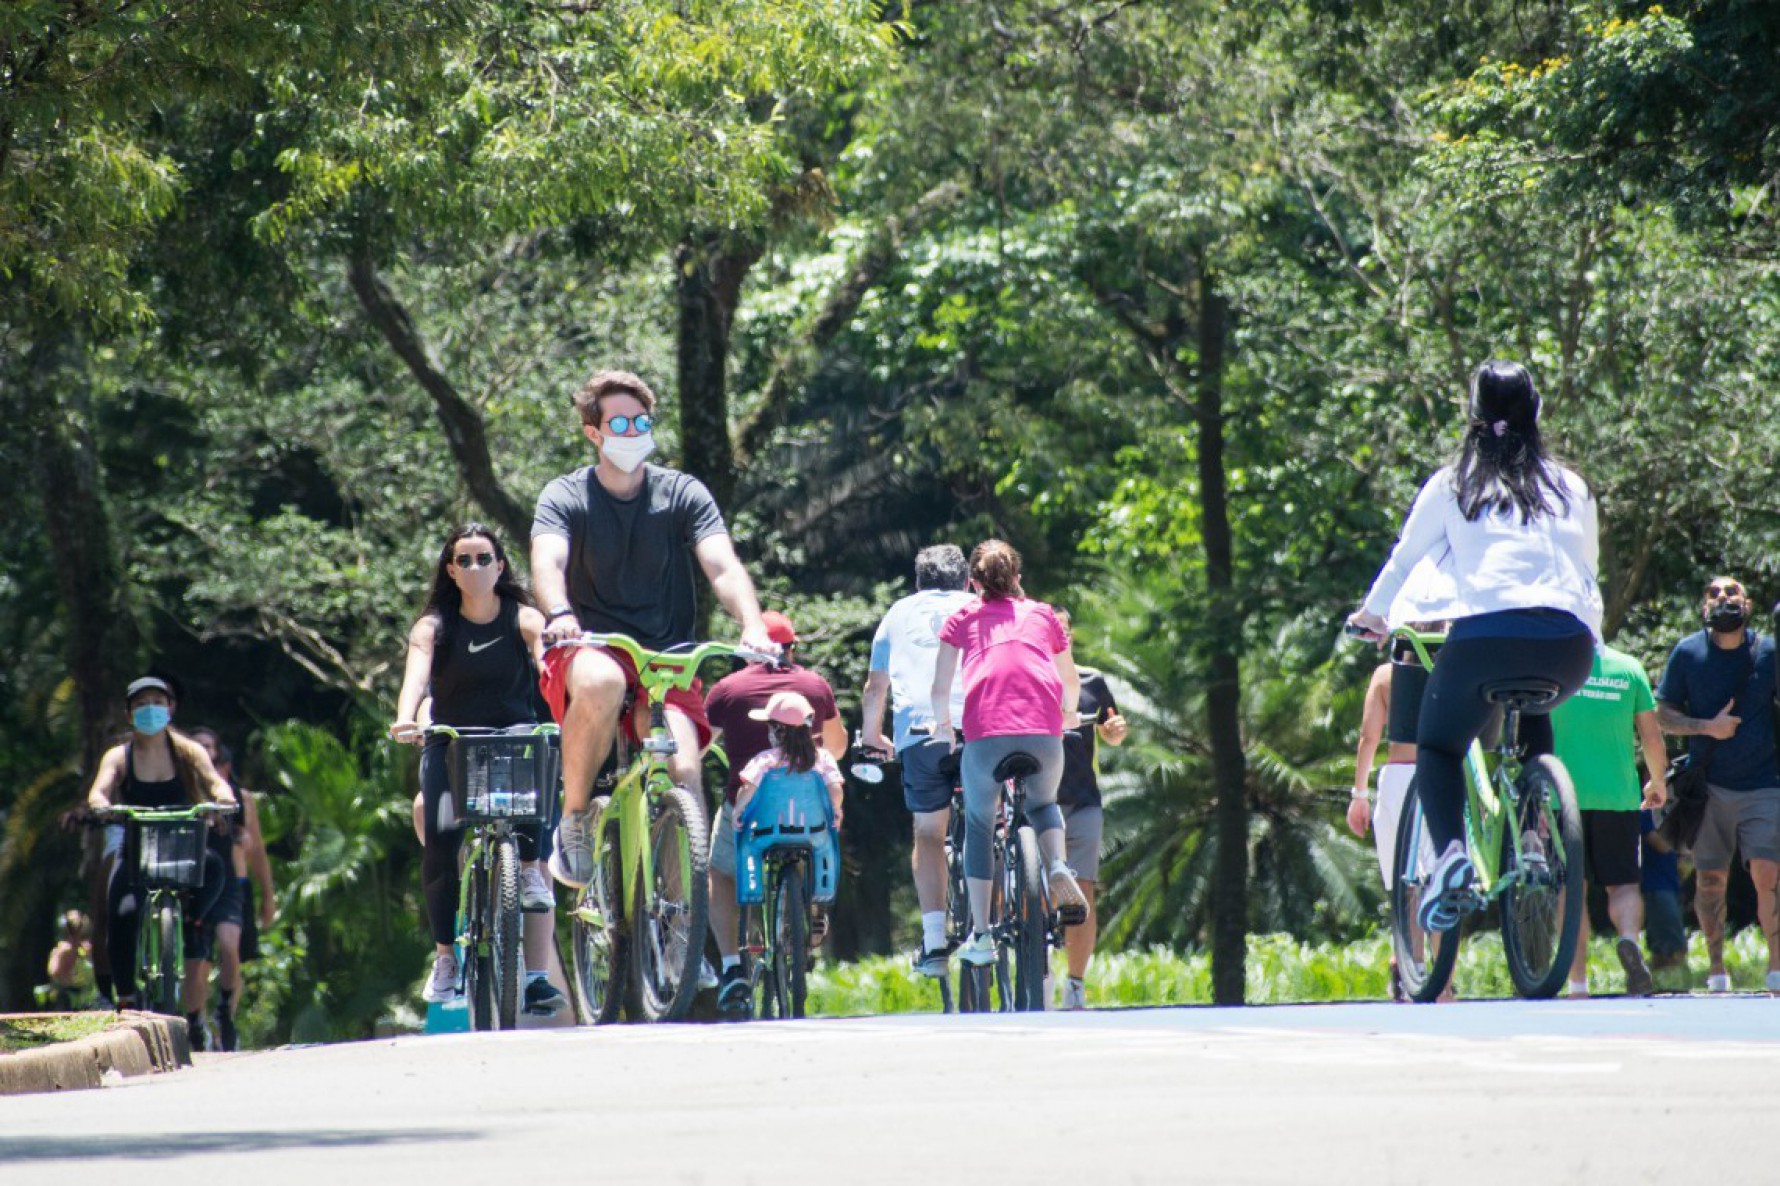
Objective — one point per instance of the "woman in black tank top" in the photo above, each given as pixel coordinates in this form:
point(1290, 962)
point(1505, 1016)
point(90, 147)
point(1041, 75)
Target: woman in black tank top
point(153, 767)
point(476, 650)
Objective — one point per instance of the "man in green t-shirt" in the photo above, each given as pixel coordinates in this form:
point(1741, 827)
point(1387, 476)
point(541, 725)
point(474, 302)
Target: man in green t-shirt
point(1594, 731)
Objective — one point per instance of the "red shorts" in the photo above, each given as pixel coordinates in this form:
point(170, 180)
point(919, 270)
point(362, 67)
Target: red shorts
point(690, 702)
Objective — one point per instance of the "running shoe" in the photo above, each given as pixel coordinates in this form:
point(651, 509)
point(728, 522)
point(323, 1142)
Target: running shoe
point(571, 861)
point(196, 1032)
point(227, 1039)
point(1718, 982)
point(707, 976)
point(1637, 977)
point(1075, 994)
point(1067, 896)
point(1774, 981)
point(542, 998)
point(442, 987)
point(734, 998)
point(933, 961)
point(977, 950)
point(1451, 876)
point(535, 896)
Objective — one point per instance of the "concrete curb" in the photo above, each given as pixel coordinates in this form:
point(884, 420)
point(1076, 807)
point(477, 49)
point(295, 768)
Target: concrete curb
point(138, 1044)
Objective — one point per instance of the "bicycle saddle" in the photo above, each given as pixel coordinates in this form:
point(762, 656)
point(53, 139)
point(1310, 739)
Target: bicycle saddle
point(1527, 691)
point(1015, 766)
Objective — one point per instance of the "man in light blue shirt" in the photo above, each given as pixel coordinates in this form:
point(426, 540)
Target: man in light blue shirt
point(903, 653)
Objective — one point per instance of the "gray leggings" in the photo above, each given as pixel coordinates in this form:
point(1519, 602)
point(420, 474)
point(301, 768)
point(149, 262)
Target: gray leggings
point(982, 794)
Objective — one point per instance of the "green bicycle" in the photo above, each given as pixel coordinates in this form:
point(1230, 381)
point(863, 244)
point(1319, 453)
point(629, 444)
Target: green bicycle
point(166, 847)
point(1524, 835)
point(499, 780)
point(638, 928)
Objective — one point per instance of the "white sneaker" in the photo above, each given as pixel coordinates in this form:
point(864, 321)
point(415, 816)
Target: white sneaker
point(442, 987)
point(707, 976)
point(1718, 982)
point(1774, 981)
point(977, 950)
point(1577, 989)
point(1075, 994)
point(571, 861)
point(1452, 876)
point(1067, 896)
point(535, 896)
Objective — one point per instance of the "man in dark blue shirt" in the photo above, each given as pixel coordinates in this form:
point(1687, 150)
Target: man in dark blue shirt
point(1718, 691)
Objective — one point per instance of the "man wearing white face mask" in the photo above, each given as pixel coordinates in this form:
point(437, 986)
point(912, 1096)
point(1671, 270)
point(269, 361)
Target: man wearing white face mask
point(614, 547)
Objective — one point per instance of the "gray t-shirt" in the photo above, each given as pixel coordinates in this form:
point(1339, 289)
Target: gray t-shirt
point(631, 566)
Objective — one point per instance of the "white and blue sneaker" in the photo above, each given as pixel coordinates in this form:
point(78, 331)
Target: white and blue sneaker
point(1451, 876)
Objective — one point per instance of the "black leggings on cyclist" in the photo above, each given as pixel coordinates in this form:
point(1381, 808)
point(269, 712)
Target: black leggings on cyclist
point(441, 844)
point(982, 794)
point(1454, 712)
point(126, 900)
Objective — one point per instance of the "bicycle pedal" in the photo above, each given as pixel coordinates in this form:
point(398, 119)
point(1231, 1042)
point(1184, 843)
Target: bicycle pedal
point(1072, 916)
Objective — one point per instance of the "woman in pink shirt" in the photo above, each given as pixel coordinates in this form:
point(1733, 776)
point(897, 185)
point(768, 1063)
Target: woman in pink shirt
point(1020, 693)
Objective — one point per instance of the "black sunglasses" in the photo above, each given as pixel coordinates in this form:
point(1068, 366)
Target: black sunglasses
point(479, 560)
point(623, 424)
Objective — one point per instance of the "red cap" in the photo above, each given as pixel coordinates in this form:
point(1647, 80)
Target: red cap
point(778, 627)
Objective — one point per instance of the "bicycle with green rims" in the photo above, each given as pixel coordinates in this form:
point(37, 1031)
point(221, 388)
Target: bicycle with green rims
point(500, 780)
point(166, 847)
point(639, 925)
point(1523, 832)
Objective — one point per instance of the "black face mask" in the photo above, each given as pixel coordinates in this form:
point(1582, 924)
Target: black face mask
point(1726, 617)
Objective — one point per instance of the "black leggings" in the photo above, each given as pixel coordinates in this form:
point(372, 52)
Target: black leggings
point(126, 901)
point(1454, 713)
point(441, 844)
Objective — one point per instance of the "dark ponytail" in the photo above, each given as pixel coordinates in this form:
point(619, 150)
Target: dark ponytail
point(1502, 465)
point(797, 743)
point(995, 567)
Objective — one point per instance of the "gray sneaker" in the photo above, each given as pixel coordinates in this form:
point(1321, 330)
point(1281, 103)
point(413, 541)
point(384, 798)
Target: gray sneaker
point(534, 891)
point(442, 988)
point(1637, 977)
point(571, 861)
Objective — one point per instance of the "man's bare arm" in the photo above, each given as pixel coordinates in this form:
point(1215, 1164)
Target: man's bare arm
point(733, 587)
point(1678, 724)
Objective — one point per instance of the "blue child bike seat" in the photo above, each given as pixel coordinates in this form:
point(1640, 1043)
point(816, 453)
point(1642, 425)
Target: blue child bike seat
point(787, 810)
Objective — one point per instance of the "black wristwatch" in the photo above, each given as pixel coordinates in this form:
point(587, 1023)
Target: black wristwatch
point(559, 612)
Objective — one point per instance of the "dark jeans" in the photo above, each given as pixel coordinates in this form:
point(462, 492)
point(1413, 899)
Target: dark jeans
point(438, 858)
point(126, 902)
point(1454, 713)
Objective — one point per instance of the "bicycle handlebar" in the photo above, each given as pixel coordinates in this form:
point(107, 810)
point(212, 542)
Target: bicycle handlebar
point(119, 813)
point(674, 666)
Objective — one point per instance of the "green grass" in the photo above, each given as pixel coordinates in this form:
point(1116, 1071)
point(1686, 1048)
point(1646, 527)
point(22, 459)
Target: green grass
point(29, 1033)
point(1281, 970)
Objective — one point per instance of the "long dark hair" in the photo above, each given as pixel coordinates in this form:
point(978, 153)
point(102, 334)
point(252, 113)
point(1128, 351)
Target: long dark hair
point(1502, 464)
point(797, 743)
point(447, 601)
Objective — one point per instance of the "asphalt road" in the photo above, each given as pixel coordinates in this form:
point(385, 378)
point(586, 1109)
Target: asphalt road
point(1607, 1091)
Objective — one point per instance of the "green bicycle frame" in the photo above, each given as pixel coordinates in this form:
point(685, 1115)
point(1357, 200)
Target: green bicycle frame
point(1487, 794)
point(647, 779)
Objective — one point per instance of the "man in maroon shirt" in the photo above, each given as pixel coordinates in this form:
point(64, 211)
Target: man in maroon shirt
point(743, 738)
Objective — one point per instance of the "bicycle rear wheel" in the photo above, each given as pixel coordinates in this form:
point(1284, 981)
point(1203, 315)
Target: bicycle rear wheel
point(1026, 904)
point(669, 936)
point(791, 940)
point(1542, 909)
point(1424, 960)
point(506, 959)
point(599, 944)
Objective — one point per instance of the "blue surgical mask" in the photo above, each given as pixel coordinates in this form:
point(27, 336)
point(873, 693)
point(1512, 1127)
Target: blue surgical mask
point(151, 718)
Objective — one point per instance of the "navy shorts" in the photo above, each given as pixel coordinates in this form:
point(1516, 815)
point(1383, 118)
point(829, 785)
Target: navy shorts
point(929, 772)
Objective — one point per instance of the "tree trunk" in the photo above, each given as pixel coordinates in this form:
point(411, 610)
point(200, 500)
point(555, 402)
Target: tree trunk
point(1229, 928)
point(464, 430)
point(708, 285)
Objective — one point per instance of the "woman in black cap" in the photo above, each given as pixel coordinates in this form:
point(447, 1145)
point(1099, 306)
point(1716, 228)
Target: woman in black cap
point(1517, 533)
point(155, 766)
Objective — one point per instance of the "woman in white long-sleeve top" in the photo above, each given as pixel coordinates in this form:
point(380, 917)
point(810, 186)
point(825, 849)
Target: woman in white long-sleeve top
point(1517, 533)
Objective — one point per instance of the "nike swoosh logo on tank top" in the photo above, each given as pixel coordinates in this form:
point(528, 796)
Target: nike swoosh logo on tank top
point(473, 648)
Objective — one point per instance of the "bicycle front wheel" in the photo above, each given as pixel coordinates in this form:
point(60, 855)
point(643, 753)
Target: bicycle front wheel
point(1026, 901)
point(669, 935)
point(791, 940)
point(505, 958)
point(1542, 907)
point(600, 944)
point(163, 962)
point(1424, 959)
point(478, 968)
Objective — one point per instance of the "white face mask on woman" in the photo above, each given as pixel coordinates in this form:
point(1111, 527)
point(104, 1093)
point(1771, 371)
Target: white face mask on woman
point(628, 452)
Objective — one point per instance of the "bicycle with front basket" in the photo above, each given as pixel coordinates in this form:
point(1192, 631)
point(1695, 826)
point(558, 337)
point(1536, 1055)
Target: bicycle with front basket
point(166, 847)
point(500, 780)
point(638, 927)
point(1523, 832)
